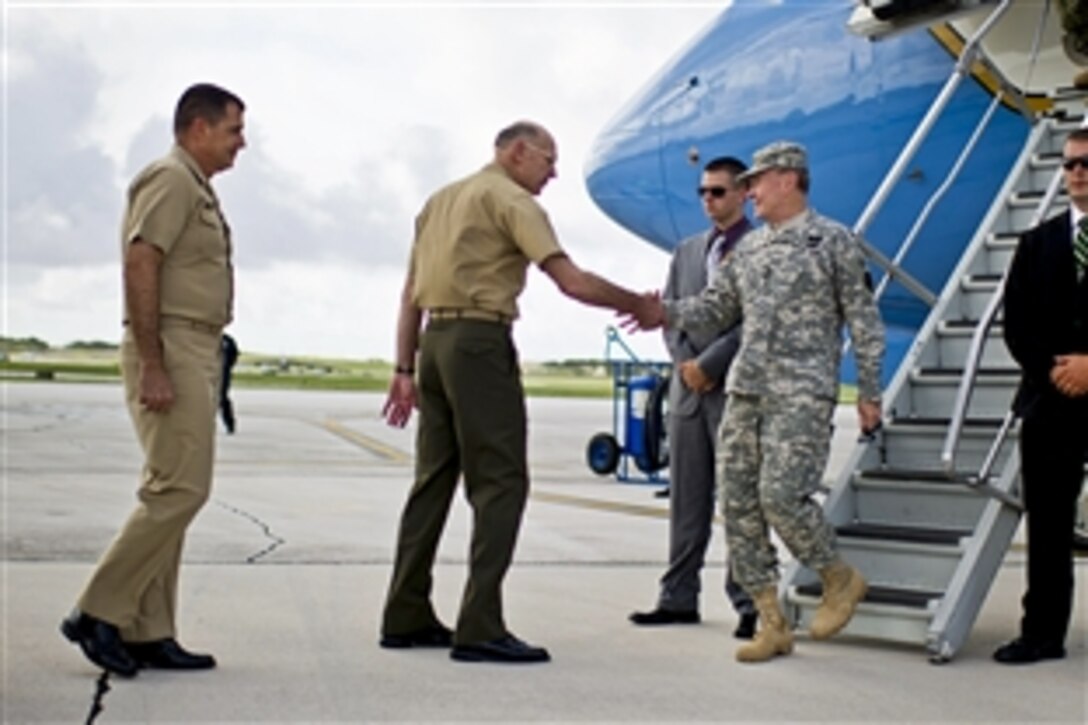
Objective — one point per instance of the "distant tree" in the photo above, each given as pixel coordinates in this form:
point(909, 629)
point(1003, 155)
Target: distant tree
point(23, 344)
point(90, 345)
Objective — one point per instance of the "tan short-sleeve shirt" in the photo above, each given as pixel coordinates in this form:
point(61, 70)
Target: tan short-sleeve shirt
point(172, 206)
point(474, 241)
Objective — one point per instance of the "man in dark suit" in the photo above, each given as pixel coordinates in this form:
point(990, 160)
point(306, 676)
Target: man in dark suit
point(1046, 330)
point(696, 401)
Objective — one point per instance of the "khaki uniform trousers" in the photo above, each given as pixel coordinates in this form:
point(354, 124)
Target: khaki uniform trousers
point(134, 585)
point(471, 420)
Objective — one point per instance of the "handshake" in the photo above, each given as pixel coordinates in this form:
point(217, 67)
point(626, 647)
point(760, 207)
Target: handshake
point(643, 312)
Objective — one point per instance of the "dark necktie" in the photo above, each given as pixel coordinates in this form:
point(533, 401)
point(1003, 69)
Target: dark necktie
point(717, 251)
point(1080, 247)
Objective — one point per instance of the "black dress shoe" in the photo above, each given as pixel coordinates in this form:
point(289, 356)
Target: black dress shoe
point(437, 635)
point(503, 649)
point(666, 616)
point(1022, 651)
point(746, 627)
point(100, 642)
point(167, 654)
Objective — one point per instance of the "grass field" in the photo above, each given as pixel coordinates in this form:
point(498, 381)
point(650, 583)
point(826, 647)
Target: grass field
point(266, 371)
point(584, 380)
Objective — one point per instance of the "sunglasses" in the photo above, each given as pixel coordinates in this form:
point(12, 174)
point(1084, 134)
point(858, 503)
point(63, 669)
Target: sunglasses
point(715, 191)
point(1072, 163)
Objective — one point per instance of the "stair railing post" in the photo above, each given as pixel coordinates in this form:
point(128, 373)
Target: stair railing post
point(962, 69)
point(938, 194)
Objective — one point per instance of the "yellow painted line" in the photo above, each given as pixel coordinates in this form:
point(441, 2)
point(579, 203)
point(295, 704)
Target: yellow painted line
point(365, 442)
point(597, 504)
point(953, 43)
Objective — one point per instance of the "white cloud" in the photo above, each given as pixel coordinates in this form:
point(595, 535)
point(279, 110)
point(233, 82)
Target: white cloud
point(355, 114)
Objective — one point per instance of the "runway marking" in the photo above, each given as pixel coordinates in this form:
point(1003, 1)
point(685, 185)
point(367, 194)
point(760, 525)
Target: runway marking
point(597, 504)
point(365, 442)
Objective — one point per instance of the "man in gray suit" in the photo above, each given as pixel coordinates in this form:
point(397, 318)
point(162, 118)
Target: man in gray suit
point(696, 400)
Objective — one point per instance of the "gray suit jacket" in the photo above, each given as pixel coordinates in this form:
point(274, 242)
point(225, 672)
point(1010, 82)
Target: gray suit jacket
point(714, 350)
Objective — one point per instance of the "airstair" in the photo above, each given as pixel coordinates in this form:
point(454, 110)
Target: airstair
point(928, 506)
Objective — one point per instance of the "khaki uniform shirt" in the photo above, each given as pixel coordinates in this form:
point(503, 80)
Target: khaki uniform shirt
point(172, 206)
point(474, 241)
point(795, 285)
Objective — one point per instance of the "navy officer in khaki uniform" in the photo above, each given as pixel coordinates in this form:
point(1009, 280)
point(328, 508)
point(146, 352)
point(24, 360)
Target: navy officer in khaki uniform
point(474, 240)
point(178, 291)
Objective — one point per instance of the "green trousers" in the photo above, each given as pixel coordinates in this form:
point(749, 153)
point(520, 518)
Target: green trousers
point(471, 422)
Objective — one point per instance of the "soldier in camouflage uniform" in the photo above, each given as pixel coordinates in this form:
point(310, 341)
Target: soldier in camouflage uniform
point(795, 281)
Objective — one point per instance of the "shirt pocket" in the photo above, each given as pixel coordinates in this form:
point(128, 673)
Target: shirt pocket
point(211, 235)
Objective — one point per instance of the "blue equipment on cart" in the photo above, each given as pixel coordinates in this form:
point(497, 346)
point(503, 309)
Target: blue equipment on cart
point(640, 392)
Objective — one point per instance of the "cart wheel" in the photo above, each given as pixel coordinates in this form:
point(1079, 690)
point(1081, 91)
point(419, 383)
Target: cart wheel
point(603, 454)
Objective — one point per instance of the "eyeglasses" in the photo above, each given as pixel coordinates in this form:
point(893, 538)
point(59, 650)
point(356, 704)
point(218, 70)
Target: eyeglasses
point(550, 158)
point(1072, 163)
point(715, 191)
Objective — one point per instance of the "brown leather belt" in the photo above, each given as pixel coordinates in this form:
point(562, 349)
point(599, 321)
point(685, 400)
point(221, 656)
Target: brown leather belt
point(172, 321)
point(468, 314)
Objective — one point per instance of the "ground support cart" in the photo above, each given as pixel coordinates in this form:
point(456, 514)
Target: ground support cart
point(640, 392)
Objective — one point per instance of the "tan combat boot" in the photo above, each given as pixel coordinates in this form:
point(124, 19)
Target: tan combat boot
point(844, 587)
point(773, 637)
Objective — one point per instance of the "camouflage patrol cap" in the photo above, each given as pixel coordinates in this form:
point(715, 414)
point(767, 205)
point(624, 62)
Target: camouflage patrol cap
point(777, 155)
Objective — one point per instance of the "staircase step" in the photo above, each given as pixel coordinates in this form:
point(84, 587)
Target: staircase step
point(916, 474)
point(1004, 239)
point(911, 534)
point(997, 329)
point(1030, 201)
point(953, 345)
point(981, 424)
point(987, 372)
point(915, 498)
point(917, 443)
point(911, 598)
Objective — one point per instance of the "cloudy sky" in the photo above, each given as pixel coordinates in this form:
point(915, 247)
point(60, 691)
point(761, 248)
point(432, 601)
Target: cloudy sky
point(355, 112)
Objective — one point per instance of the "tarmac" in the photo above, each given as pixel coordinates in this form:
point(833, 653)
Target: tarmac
point(286, 568)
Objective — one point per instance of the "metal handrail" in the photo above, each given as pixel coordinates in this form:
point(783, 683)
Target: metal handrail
point(962, 69)
point(941, 190)
point(978, 343)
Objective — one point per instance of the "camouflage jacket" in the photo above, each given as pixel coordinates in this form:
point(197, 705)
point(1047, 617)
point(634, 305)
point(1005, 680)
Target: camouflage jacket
point(795, 288)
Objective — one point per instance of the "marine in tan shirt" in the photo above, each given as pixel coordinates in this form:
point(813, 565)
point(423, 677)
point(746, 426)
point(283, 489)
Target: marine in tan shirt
point(474, 240)
point(178, 296)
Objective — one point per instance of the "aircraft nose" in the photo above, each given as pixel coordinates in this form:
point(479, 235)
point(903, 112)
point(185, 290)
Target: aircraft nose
point(622, 178)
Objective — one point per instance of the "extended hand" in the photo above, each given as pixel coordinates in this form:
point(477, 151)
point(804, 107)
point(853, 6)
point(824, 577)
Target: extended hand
point(1070, 374)
point(402, 398)
point(694, 377)
point(649, 314)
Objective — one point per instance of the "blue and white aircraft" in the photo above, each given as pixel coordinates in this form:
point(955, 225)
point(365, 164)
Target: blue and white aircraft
point(766, 70)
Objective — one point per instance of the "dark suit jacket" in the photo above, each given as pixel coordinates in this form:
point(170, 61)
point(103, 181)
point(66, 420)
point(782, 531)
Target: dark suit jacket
point(714, 350)
point(1046, 311)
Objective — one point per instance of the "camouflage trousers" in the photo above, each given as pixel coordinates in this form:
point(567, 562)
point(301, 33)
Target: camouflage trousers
point(772, 452)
